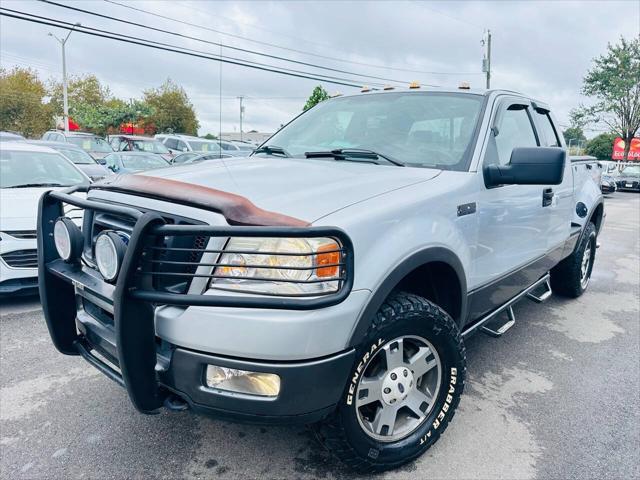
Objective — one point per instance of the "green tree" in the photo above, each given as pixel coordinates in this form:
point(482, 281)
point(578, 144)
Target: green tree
point(83, 92)
point(172, 110)
point(573, 135)
point(601, 146)
point(318, 95)
point(104, 117)
point(614, 84)
point(21, 103)
point(210, 136)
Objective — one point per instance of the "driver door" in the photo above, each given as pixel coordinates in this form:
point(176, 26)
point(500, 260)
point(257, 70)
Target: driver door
point(512, 221)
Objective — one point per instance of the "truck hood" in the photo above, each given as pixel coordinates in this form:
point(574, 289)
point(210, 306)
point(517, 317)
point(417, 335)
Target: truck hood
point(302, 188)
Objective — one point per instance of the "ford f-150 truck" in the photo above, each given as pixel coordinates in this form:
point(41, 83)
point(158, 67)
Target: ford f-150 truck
point(331, 277)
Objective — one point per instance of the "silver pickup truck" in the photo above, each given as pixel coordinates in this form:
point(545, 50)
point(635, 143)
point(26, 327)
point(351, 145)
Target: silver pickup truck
point(331, 277)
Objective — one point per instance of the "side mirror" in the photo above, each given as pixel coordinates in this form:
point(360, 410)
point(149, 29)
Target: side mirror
point(113, 168)
point(528, 166)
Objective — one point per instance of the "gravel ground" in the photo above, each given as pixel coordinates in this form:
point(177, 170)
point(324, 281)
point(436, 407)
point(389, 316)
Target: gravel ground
point(557, 397)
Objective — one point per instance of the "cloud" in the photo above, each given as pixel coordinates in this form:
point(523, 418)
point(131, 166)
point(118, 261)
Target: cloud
point(540, 48)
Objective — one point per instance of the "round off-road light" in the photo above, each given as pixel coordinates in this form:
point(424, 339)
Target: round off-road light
point(68, 239)
point(108, 254)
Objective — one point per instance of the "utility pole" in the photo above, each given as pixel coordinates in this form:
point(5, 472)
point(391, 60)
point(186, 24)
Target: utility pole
point(486, 61)
point(241, 115)
point(65, 99)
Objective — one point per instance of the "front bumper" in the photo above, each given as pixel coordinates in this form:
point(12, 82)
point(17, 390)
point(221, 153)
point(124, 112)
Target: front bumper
point(113, 327)
point(17, 279)
point(631, 185)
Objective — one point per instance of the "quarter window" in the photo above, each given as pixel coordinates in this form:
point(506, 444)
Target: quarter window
point(549, 136)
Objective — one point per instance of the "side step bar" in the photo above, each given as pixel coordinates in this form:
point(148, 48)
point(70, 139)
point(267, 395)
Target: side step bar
point(508, 306)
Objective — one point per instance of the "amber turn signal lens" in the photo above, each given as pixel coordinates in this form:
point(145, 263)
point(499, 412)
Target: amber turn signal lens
point(328, 254)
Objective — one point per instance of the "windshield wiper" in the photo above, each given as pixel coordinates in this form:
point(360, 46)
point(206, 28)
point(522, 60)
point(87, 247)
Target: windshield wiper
point(355, 155)
point(33, 185)
point(272, 150)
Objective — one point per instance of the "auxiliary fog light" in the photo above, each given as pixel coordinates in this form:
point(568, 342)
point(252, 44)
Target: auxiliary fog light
point(242, 381)
point(68, 239)
point(109, 253)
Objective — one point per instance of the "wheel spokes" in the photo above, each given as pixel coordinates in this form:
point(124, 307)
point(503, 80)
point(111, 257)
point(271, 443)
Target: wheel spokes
point(394, 353)
point(420, 363)
point(385, 417)
point(369, 391)
point(418, 402)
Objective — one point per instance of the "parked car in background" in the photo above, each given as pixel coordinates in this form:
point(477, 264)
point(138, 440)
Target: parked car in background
point(608, 183)
point(193, 157)
point(186, 143)
point(11, 137)
point(137, 143)
point(629, 178)
point(246, 148)
point(79, 157)
point(26, 172)
point(92, 144)
point(132, 162)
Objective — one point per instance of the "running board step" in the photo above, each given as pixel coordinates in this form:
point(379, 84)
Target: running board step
point(544, 295)
point(498, 332)
point(485, 324)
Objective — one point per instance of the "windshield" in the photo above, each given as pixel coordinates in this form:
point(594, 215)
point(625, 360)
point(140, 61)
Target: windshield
point(143, 162)
point(418, 129)
point(90, 144)
point(204, 146)
point(151, 146)
point(79, 157)
point(22, 169)
point(245, 148)
point(632, 170)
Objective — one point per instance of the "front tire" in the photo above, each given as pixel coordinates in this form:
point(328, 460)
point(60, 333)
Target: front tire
point(570, 278)
point(403, 390)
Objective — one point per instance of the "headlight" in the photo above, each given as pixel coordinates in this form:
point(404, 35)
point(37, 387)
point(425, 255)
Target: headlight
point(109, 252)
point(68, 239)
point(280, 266)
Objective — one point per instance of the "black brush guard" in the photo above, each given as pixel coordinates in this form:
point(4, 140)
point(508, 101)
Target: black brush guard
point(135, 298)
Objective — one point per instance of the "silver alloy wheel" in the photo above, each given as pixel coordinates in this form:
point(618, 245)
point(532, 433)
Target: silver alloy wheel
point(398, 388)
point(584, 266)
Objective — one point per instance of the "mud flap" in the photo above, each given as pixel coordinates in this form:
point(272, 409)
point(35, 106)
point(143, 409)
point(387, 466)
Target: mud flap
point(56, 295)
point(134, 325)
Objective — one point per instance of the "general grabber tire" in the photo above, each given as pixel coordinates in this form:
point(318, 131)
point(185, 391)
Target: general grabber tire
point(570, 277)
point(403, 389)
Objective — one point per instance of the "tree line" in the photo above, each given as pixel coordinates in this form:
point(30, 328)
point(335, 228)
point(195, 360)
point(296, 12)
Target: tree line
point(30, 106)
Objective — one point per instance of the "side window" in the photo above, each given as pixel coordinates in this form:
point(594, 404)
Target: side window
point(182, 146)
point(549, 137)
point(46, 136)
point(110, 161)
point(514, 130)
point(171, 143)
point(58, 137)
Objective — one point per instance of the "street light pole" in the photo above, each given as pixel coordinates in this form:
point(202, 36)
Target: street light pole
point(486, 61)
point(65, 99)
point(241, 114)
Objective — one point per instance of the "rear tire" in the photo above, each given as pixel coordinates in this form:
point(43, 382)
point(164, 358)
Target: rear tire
point(411, 366)
point(570, 277)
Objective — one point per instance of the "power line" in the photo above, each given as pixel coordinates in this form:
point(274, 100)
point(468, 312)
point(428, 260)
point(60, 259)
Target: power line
point(175, 49)
point(217, 44)
point(195, 25)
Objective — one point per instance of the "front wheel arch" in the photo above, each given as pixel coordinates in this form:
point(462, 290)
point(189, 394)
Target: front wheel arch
point(416, 261)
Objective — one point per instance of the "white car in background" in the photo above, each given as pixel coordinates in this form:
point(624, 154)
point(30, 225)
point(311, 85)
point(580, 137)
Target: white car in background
point(26, 172)
point(178, 143)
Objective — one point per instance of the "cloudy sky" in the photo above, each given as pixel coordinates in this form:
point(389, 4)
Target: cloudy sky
point(541, 48)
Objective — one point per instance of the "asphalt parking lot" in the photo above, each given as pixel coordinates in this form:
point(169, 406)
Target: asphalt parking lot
point(557, 397)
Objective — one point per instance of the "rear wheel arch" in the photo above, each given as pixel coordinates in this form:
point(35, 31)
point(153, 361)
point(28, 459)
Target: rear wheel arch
point(435, 274)
point(597, 215)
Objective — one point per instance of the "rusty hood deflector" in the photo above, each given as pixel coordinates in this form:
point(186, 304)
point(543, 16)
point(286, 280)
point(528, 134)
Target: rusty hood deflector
point(237, 209)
